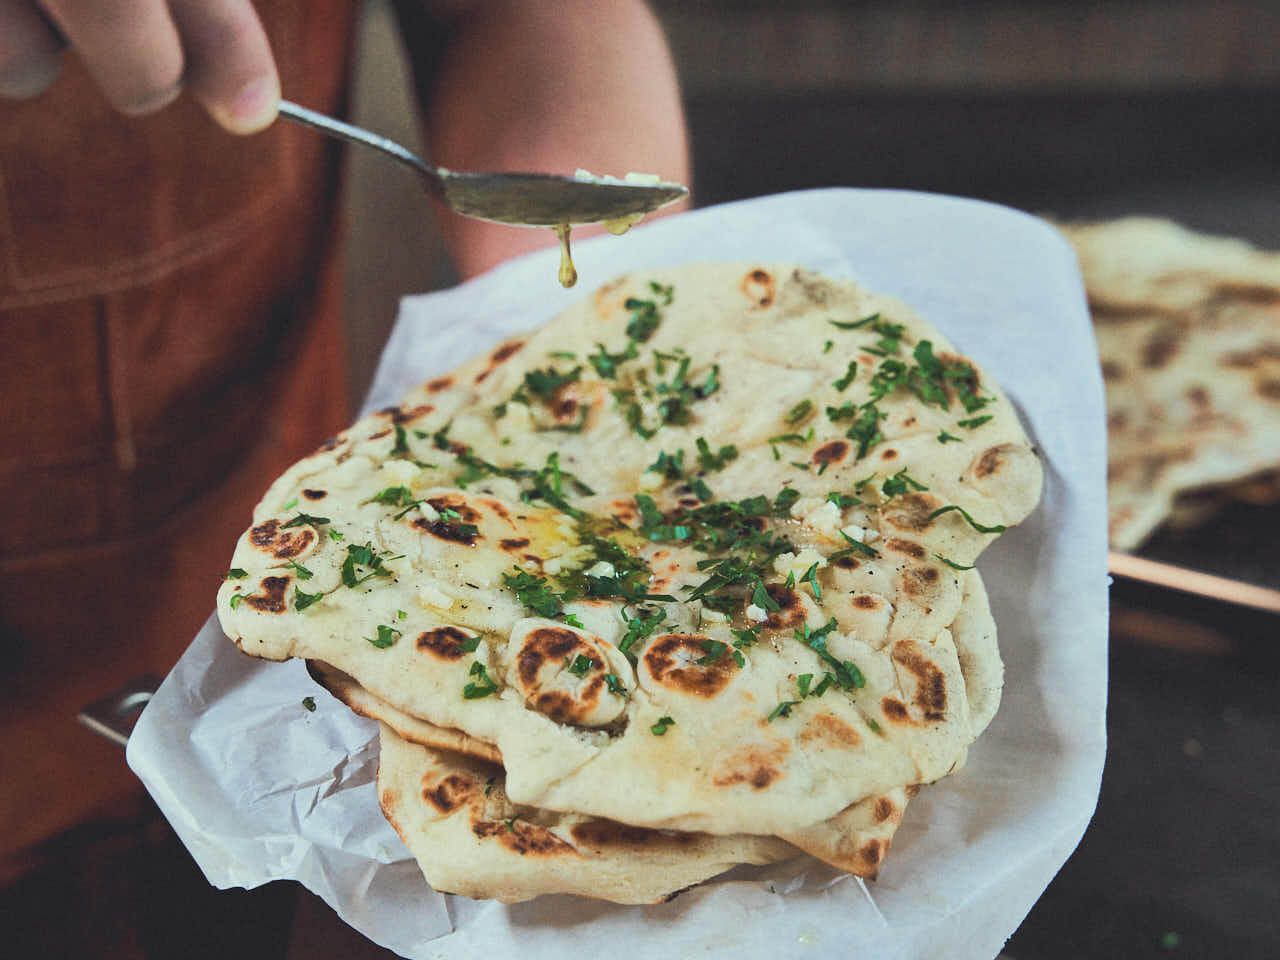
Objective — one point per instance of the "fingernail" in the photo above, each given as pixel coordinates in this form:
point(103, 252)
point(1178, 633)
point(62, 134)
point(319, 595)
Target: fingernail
point(254, 106)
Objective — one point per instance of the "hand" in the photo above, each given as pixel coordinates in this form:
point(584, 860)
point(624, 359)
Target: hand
point(143, 52)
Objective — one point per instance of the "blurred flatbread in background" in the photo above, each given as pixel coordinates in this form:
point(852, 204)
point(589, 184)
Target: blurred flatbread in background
point(1188, 330)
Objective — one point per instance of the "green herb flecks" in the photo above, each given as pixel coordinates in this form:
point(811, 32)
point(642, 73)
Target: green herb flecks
point(302, 572)
point(482, 686)
point(235, 573)
point(305, 520)
point(581, 665)
point(843, 383)
point(718, 460)
point(640, 628)
point(309, 704)
point(386, 637)
point(614, 684)
point(981, 528)
point(944, 437)
point(535, 593)
point(900, 483)
point(799, 413)
point(952, 564)
point(364, 563)
point(974, 422)
point(660, 728)
point(782, 710)
point(855, 324)
point(303, 600)
point(846, 673)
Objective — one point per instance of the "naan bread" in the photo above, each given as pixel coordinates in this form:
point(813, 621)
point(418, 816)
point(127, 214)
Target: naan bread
point(1188, 330)
point(856, 840)
point(454, 815)
point(571, 457)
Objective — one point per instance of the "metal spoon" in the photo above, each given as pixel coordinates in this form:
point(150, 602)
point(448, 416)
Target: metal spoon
point(532, 199)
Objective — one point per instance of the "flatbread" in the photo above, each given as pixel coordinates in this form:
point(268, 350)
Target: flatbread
point(1188, 330)
point(554, 447)
point(856, 840)
point(469, 838)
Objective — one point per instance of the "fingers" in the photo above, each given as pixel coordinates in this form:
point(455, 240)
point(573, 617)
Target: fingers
point(131, 48)
point(30, 50)
point(229, 64)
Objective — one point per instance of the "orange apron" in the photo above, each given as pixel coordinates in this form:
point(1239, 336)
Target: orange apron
point(171, 342)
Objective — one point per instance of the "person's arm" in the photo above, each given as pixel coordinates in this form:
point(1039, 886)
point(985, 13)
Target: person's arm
point(547, 86)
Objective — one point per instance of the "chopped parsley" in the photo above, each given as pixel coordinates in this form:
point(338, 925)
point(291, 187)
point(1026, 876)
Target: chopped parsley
point(544, 384)
point(710, 461)
point(855, 324)
point(800, 412)
point(855, 546)
point(304, 520)
point(606, 364)
point(401, 615)
point(235, 600)
point(843, 500)
point(580, 666)
point(843, 383)
point(981, 528)
point(846, 673)
point(401, 448)
point(303, 600)
point(900, 483)
point(386, 637)
point(793, 438)
point(289, 504)
point(640, 628)
point(363, 563)
point(952, 564)
point(784, 708)
point(482, 686)
point(712, 651)
point(826, 347)
point(534, 593)
point(644, 318)
point(944, 437)
point(235, 573)
point(334, 535)
point(614, 684)
point(802, 683)
point(302, 572)
point(660, 728)
point(974, 422)
point(746, 638)
point(871, 722)
point(811, 577)
point(393, 497)
point(668, 465)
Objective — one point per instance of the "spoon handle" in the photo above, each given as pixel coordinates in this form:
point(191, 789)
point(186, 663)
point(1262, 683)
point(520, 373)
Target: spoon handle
point(358, 135)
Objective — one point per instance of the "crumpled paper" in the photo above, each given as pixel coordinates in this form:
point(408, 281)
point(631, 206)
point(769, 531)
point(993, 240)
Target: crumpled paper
point(259, 788)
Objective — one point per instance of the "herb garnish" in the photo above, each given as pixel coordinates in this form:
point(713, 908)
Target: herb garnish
point(305, 519)
point(784, 708)
point(981, 528)
point(714, 461)
point(580, 666)
point(401, 448)
point(482, 686)
point(302, 572)
point(855, 324)
point(843, 383)
point(639, 628)
point(799, 413)
point(847, 675)
point(614, 684)
point(303, 600)
point(386, 637)
point(235, 573)
point(974, 422)
point(811, 577)
point(900, 483)
point(712, 651)
point(952, 564)
point(534, 593)
point(364, 563)
point(944, 437)
point(309, 704)
point(660, 728)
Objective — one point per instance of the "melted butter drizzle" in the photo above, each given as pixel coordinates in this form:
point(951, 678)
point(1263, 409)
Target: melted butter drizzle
point(568, 273)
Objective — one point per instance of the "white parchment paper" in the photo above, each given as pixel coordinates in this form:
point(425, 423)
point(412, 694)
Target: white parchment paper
point(259, 788)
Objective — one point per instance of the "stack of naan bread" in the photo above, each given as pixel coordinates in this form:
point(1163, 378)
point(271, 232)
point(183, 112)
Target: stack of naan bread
point(680, 581)
point(1188, 331)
